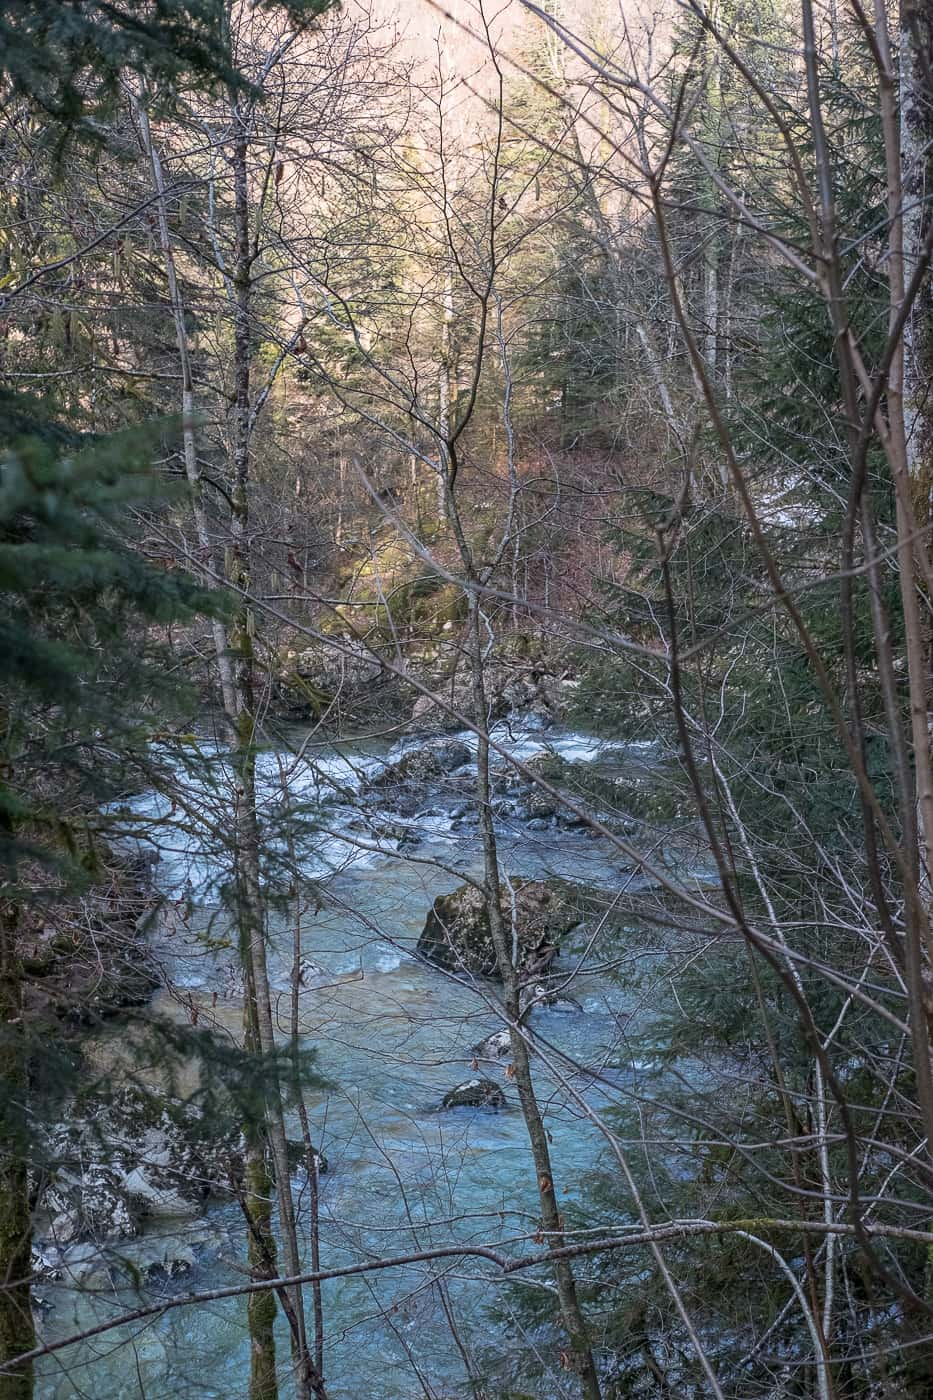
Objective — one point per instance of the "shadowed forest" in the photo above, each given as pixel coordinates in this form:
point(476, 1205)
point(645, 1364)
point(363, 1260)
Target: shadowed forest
point(466, 788)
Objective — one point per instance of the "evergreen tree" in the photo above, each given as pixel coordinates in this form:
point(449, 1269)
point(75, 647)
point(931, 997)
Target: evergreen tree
point(68, 58)
point(76, 600)
point(81, 696)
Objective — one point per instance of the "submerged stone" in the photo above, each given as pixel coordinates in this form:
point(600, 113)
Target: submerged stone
point(475, 1093)
point(495, 1046)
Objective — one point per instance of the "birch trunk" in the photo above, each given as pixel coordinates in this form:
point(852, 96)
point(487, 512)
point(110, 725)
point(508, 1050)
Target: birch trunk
point(188, 404)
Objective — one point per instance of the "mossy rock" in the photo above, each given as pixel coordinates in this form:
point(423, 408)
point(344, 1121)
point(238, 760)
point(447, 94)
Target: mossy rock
point(302, 694)
point(475, 1093)
point(393, 591)
point(442, 603)
point(457, 936)
point(549, 766)
point(424, 764)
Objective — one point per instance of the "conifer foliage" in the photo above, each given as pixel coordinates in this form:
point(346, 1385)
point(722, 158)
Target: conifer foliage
point(557, 371)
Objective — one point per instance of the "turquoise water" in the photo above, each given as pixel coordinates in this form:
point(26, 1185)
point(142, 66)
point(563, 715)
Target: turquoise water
point(391, 1036)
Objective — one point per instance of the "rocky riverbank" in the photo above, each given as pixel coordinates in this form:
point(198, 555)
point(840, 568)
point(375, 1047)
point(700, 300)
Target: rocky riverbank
point(525, 679)
point(90, 958)
point(121, 1155)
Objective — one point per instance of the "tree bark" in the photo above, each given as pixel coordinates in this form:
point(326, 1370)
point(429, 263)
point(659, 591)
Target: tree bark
point(444, 394)
point(580, 1356)
point(249, 910)
point(188, 406)
point(17, 1330)
point(916, 161)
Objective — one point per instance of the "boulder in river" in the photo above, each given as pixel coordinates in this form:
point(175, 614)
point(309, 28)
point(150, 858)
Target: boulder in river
point(92, 1202)
point(535, 995)
point(133, 1157)
point(475, 1093)
point(538, 994)
point(427, 763)
point(454, 702)
point(495, 1047)
point(456, 935)
point(514, 686)
point(548, 765)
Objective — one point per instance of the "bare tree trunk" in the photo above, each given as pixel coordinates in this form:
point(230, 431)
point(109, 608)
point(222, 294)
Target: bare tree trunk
point(444, 394)
point(312, 1157)
point(17, 1330)
point(711, 303)
point(252, 930)
point(915, 62)
point(341, 497)
point(236, 687)
point(919, 826)
point(258, 1205)
point(727, 313)
point(580, 1354)
point(711, 233)
point(916, 162)
point(192, 470)
point(260, 1241)
point(313, 1168)
point(657, 374)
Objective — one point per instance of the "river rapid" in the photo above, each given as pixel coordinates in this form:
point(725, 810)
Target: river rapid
point(391, 1035)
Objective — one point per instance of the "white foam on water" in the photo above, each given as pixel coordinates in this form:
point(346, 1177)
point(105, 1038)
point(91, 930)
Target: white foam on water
point(332, 854)
point(318, 778)
point(430, 826)
point(576, 748)
point(524, 742)
point(187, 864)
point(190, 981)
point(388, 960)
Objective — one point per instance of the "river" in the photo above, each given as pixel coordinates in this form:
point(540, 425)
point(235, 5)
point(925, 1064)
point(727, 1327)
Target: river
point(391, 1035)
